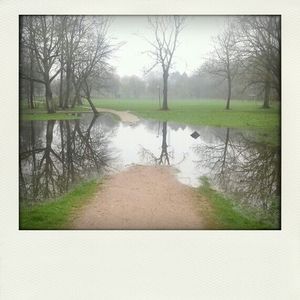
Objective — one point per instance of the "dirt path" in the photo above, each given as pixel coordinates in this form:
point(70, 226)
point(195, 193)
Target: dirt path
point(143, 197)
point(125, 116)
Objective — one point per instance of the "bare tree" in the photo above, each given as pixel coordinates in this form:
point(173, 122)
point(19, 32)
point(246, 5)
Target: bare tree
point(27, 60)
point(223, 61)
point(44, 42)
point(166, 30)
point(31, 71)
point(75, 47)
point(75, 29)
point(261, 38)
point(91, 60)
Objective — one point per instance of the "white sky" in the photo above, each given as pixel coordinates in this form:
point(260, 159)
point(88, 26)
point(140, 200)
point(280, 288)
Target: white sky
point(195, 43)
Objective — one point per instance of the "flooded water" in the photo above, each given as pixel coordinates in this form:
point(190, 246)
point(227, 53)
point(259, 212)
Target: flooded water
point(56, 155)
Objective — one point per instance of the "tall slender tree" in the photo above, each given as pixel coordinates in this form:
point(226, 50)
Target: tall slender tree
point(166, 30)
point(224, 59)
point(75, 28)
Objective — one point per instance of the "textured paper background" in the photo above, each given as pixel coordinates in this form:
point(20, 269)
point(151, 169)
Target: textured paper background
point(149, 264)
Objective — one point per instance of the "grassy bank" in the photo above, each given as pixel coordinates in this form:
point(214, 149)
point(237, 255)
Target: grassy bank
point(243, 114)
point(47, 117)
point(58, 213)
point(40, 113)
point(226, 216)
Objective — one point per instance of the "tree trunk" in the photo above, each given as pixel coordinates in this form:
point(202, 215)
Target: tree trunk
point(88, 97)
point(61, 100)
point(77, 87)
point(31, 89)
point(27, 92)
point(267, 95)
point(92, 105)
point(79, 101)
point(31, 54)
point(49, 99)
point(165, 92)
point(229, 92)
point(31, 82)
point(68, 84)
point(76, 99)
point(73, 102)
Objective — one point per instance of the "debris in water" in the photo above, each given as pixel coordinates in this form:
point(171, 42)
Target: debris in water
point(195, 135)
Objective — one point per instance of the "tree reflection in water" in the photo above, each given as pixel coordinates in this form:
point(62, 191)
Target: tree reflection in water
point(56, 155)
point(165, 155)
point(245, 169)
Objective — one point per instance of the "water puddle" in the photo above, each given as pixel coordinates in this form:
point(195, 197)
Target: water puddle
point(56, 155)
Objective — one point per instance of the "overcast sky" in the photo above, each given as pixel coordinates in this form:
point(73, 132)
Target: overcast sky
point(195, 43)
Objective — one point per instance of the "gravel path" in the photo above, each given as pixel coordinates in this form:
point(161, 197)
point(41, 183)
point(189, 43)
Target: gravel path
point(144, 197)
point(125, 116)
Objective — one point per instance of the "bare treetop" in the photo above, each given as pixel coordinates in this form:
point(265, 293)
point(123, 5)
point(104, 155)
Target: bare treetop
point(166, 30)
point(224, 59)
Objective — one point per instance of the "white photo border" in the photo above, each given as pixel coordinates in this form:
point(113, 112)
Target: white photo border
point(149, 264)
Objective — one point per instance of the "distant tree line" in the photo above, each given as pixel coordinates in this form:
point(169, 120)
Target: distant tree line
point(199, 85)
point(70, 51)
point(245, 63)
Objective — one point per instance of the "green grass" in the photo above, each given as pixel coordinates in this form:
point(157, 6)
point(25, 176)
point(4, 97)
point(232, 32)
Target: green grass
point(243, 114)
point(226, 215)
point(40, 113)
point(58, 213)
point(46, 117)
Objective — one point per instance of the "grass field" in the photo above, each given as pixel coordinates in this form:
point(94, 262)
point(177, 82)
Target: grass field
point(57, 213)
point(243, 114)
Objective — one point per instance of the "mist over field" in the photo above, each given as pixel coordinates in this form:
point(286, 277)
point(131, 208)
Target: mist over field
point(213, 54)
